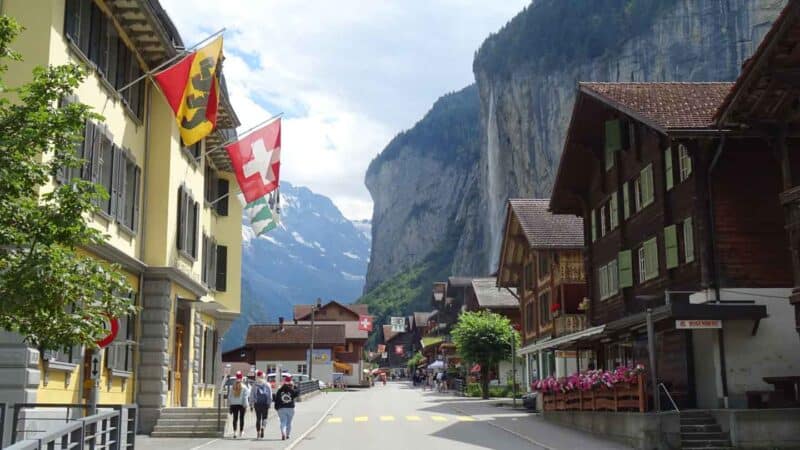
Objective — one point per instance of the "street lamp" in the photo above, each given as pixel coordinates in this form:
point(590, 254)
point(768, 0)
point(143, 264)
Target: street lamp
point(314, 309)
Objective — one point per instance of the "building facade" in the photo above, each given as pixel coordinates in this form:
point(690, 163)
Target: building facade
point(542, 260)
point(178, 243)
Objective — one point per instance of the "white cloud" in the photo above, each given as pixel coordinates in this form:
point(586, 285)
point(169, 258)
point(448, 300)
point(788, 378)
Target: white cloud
point(348, 74)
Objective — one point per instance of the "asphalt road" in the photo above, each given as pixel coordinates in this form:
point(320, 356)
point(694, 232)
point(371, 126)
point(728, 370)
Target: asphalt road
point(399, 417)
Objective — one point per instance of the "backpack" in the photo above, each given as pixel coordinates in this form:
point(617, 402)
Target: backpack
point(262, 396)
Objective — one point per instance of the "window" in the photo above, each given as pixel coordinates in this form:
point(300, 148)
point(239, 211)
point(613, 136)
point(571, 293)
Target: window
point(615, 133)
point(544, 309)
point(671, 246)
point(302, 368)
point(688, 240)
point(668, 173)
point(193, 151)
point(127, 190)
point(544, 264)
point(613, 211)
point(530, 277)
point(608, 277)
point(625, 269)
point(643, 188)
point(104, 168)
point(70, 355)
point(602, 220)
point(119, 355)
point(187, 224)
point(530, 325)
point(95, 35)
point(271, 368)
point(216, 192)
point(648, 260)
point(222, 268)
point(684, 162)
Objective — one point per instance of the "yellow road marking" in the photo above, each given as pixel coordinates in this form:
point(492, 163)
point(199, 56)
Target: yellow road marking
point(439, 419)
point(361, 419)
point(413, 418)
point(335, 420)
point(466, 419)
point(387, 418)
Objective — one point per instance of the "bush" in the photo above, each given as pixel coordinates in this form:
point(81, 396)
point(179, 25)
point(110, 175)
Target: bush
point(473, 390)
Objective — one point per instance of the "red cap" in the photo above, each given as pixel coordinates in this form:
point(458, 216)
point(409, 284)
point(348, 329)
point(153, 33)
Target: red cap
point(259, 373)
point(239, 375)
point(287, 378)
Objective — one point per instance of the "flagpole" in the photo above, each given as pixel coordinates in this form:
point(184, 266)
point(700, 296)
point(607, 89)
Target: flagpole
point(239, 136)
point(180, 54)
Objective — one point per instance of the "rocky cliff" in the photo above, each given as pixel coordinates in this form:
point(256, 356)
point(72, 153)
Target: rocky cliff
point(526, 76)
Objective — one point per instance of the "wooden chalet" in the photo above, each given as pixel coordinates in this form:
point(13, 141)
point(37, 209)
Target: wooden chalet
point(682, 219)
point(542, 260)
point(400, 346)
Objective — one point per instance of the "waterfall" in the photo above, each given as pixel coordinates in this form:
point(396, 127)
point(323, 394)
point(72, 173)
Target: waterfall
point(493, 184)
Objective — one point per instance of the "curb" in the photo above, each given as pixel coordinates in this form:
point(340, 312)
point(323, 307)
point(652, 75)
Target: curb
point(315, 426)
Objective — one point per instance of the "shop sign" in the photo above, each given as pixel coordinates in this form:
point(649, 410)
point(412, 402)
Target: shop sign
point(698, 324)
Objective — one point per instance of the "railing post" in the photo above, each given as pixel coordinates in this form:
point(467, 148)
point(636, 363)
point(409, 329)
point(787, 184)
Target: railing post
point(14, 423)
point(219, 413)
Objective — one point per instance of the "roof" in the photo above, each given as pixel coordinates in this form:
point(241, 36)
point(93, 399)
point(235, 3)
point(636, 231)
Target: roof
point(421, 318)
point(351, 330)
point(490, 296)
point(388, 334)
point(761, 73)
point(663, 106)
point(303, 311)
point(271, 334)
point(459, 281)
point(544, 229)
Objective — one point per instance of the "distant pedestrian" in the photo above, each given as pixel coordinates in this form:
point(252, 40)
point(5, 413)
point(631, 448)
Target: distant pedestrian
point(284, 404)
point(237, 402)
point(260, 400)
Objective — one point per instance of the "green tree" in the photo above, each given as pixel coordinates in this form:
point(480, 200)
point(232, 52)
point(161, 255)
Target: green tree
point(52, 294)
point(485, 338)
point(414, 361)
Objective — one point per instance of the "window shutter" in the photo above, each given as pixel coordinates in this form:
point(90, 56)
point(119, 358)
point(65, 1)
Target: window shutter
point(116, 176)
point(647, 185)
point(212, 264)
point(602, 274)
point(137, 186)
point(222, 268)
point(194, 228)
point(626, 201)
point(688, 240)
point(83, 27)
point(594, 225)
point(613, 210)
point(111, 356)
point(77, 355)
point(204, 257)
point(613, 140)
point(651, 258)
point(181, 214)
point(625, 269)
point(668, 168)
point(671, 246)
point(222, 203)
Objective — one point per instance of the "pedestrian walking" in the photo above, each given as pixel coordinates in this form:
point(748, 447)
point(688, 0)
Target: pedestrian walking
point(237, 402)
point(260, 400)
point(284, 404)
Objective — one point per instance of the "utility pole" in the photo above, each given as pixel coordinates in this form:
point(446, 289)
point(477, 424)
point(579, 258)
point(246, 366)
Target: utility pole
point(513, 367)
point(314, 309)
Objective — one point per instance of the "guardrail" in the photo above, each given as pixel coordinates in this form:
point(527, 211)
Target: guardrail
point(98, 432)
point(305, 387)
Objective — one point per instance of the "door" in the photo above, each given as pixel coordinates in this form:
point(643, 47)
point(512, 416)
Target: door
point(177, 387)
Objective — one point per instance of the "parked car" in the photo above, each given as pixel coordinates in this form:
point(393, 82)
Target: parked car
point(272, 378)
point(300, 377)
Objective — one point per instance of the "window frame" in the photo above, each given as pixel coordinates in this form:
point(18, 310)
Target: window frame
point(613, 212)
point(684, 163)
point(647, 273)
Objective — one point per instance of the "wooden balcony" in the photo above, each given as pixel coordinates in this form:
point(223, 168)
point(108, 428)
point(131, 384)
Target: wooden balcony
point(569, 323)
point(570, 271)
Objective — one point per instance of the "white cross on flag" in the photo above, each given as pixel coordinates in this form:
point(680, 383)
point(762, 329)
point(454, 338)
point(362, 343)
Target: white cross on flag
point(365, 323)
point(256, 161)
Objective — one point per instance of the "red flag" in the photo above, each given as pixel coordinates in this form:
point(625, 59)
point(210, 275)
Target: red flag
point(398, 349)
point(191, 89)
point(365, 323)
point(256, 161)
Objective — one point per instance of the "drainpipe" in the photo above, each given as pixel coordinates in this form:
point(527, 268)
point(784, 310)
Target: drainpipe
point(715, 270)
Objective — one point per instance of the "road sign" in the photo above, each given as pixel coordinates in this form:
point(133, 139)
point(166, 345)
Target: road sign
point(399, 324)
point(113, 327)
point(95, 370)
point(698, 324)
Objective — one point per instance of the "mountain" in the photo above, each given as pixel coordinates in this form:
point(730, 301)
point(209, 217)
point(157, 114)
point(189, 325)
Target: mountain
point(459, 164)
point(316, 252)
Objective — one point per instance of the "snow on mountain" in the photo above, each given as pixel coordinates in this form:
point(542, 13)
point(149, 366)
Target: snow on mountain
point(316, 252)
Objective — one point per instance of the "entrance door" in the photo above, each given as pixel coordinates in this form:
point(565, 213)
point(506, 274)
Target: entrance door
point(177, 388)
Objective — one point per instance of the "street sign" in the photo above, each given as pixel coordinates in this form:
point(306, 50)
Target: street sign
point(113, 329)
point(95, 371)
point(698, 324)
point(384, 355)
point(399, 324)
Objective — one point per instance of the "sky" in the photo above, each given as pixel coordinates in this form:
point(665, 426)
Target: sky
point(348, 75)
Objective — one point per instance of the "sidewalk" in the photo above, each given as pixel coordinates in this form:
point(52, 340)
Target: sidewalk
point(307, 413)
point(526, 425)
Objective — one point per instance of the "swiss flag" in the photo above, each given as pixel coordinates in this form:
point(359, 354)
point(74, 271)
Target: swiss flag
point(256, 161)
point(398, 349)
point(365, 323)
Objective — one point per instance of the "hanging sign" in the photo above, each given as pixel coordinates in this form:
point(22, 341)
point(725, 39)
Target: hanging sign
point(698, 324)
point(399, 324)
point(384, 355)
point(365, 323)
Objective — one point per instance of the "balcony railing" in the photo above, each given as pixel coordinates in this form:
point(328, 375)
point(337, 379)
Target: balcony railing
point(569, 323)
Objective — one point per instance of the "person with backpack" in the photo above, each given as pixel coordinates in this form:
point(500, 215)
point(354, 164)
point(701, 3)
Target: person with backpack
point(260, 399)
point(284, 404)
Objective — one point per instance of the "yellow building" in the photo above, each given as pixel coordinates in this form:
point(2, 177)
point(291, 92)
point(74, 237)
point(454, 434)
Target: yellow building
point(170, 223)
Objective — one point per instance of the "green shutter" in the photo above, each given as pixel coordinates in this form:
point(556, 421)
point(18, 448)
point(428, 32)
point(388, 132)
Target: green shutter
point(613, 211)
point(646, 181)
point(671, 246)
point(594, 225)
point(688, 240)
point(625, 270)
point(613, 141)
point(668, 168)
point(626, 201)
point(651, 255)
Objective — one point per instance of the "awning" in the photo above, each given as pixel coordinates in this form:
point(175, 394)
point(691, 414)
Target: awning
point(436, 365)
point(475, 368)
point(572, 337)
